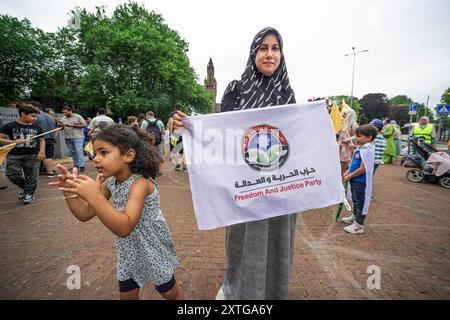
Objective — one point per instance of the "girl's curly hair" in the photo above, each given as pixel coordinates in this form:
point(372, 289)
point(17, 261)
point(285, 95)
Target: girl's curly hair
point(147, 160)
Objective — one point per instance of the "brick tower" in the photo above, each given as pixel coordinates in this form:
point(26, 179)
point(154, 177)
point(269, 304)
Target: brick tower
point(211, 84)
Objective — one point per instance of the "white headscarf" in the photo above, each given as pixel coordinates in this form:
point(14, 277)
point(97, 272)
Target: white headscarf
point(350, 117)
point(427, 119)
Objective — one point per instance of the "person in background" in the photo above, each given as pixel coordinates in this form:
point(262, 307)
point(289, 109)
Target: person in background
point(380, 145)
point(141, 119)
point(360, 175)
point(426, 131)
point(132, 122)
point(176, 146)
point(73, 125)
point(397, 138)
point(156, 128)
point(47, 123)
point(389, 152)
point(101, 117)
point(346, 140)
point(97, 128)
point(22, 162)
point(379, 142)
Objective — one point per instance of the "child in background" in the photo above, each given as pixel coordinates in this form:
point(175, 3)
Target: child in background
point(360, 176)
point(144, 246)
point(23, 162)
point(379, 142)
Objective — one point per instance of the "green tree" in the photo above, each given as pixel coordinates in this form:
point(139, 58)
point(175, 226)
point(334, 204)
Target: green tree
point(399, 109)
point(445, 98)
point(130, 62)
point(400, 100)
point(400, 113)
point(375, 105)
point(23, 56)
point(134, 63)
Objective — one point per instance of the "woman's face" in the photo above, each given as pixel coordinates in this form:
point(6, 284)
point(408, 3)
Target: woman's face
point(268, 55)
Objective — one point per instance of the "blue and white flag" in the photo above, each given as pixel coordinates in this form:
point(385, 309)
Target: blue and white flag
point(260, 163)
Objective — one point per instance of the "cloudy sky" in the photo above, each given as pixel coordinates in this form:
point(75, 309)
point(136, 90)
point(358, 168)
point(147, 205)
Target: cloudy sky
point(408, 40)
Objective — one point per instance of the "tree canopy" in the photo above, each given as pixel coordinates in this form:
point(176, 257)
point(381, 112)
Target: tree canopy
point(400, 100)
point(131, 62)
point(375, 105)
point(445, 98)
point(24, 54)
point(399, 109)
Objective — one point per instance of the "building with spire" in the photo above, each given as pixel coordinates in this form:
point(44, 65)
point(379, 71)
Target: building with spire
point(211, 85)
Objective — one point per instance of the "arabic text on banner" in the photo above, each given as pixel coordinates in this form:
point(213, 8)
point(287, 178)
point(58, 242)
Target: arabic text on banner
point(255, 164)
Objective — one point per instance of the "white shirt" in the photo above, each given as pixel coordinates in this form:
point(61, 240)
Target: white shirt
point(97, 120)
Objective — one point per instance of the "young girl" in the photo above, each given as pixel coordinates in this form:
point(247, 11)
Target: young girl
point(144, 247)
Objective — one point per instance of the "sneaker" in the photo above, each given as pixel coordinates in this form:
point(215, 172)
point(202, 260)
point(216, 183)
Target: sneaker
point(29, 198)
point(20, 194)
point(81, 169)
point(185, 170)
point(52, 175)
point(348, 220)
point(355, 228)
point(178, 168)
point(220, 295)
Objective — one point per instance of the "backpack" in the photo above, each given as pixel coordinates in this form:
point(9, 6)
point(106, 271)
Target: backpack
point(154, 131)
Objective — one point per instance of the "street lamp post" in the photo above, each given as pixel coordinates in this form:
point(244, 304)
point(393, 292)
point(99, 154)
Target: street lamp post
point(354, 53)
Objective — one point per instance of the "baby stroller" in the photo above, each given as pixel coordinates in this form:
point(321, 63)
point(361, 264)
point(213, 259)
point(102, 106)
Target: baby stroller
point(427, 164)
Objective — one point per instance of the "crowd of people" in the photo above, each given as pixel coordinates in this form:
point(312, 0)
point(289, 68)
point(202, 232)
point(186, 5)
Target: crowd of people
point(76, 132)
point(128, 159)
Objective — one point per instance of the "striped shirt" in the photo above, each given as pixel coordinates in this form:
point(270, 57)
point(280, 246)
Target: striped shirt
point(380, 145)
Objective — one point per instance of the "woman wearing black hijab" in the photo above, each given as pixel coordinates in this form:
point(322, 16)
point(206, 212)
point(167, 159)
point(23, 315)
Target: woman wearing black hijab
point(259, 253)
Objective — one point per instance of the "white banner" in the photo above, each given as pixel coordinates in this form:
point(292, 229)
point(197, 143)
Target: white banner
point(255, 164)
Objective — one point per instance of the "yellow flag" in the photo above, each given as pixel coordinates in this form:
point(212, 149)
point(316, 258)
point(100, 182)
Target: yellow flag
point(5, 150)
point(89, 148)
point(336, 118)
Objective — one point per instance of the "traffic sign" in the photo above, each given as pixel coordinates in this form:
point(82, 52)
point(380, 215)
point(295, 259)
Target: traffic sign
point(413, 106)
point(443, 110)
point(412, 109)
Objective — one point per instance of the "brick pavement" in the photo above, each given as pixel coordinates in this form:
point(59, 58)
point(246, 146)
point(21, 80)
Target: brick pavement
point(407, 237)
